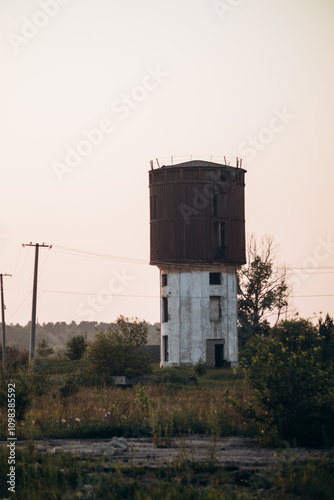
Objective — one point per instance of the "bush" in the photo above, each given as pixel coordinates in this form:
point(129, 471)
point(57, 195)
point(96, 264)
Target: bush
point(16, 358)
point(23, 394)
point(117, 351)
point(76, 348)
point(293, 387)
point(200, 367)
point(172, 375)
point(44, 350)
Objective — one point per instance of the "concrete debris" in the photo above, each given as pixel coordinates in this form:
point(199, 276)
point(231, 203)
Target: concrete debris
point(115, 447)
point(119, 443)
point(56, 450)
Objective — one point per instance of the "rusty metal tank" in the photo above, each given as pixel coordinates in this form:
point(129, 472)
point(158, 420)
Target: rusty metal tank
point(197, 214)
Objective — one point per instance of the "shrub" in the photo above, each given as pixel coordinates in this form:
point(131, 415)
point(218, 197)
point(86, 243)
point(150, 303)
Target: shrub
point(16, 358)
point(200, 367)
point(76, 347)
point(172, 375)
point(117, 351)
point(293, 388)
point(44, 350)
point(23, 392)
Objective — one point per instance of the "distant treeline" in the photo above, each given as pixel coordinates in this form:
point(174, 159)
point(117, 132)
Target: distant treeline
point(57, 334)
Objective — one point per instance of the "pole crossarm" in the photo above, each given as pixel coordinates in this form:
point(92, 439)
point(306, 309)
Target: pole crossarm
point(41, 245)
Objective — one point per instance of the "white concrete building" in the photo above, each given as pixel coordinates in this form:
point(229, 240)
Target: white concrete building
point(198, 316)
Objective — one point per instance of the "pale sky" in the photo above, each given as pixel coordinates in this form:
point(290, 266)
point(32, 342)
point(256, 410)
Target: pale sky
point(160, 78)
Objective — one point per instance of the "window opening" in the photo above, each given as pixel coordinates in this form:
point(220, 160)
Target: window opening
point(215, 278)
point(164, 309)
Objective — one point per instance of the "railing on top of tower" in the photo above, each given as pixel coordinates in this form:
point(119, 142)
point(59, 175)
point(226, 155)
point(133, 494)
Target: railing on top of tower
point(230, 161)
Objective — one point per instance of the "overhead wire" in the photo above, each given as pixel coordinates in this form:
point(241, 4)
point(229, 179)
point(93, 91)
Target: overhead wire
point(16, 278)
point(19, 307)
point(96, 255)
point(87, 253)
point(153, 296)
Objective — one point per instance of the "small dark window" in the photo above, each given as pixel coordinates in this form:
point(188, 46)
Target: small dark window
point(215, 278)
point(164, 309)
point(165, 347)
point(164, 280)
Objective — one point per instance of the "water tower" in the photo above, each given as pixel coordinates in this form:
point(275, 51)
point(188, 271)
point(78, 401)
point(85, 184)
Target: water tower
point(197, 224)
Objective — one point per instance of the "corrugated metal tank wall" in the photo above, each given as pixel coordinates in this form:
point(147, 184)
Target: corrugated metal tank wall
point(197, 214)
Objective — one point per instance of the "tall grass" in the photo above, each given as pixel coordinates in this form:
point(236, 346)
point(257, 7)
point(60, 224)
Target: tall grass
point(161, 409)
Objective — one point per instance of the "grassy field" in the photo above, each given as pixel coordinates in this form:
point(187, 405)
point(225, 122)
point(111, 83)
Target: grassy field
point(79, 405)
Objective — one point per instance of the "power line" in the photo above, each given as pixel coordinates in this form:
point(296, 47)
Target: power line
point(102, 294)
point(298, 296)
point(151, 296)
point(21, 304)
point(17, 261)
point(96, 255)
point(16, 278)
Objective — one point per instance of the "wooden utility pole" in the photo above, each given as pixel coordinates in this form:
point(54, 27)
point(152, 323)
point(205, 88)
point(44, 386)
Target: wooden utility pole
point(34, 298)
point(4, 346)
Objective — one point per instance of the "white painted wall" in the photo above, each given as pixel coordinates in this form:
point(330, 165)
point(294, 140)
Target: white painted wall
point(189, 326)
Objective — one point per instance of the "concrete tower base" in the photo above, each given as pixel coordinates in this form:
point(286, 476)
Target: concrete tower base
point(199, 316)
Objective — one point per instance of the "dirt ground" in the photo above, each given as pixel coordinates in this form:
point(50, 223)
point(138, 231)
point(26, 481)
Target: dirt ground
point(232, 452)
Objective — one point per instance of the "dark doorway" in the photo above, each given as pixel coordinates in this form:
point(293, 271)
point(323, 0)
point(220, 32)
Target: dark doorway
point(219, 355)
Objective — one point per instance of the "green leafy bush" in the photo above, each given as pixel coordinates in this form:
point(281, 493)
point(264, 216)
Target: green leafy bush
point(293, 385)
point(117, 351)
point(172, 375)
point(76, 348)
point(200, 367)
point(44, 350)
point(23, 394)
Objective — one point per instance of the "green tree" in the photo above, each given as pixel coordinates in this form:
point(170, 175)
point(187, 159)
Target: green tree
point(326, 331)
point(43, 349)
point(76, 347)
point(117, 350)
point(262, 288)
point(293, 386)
